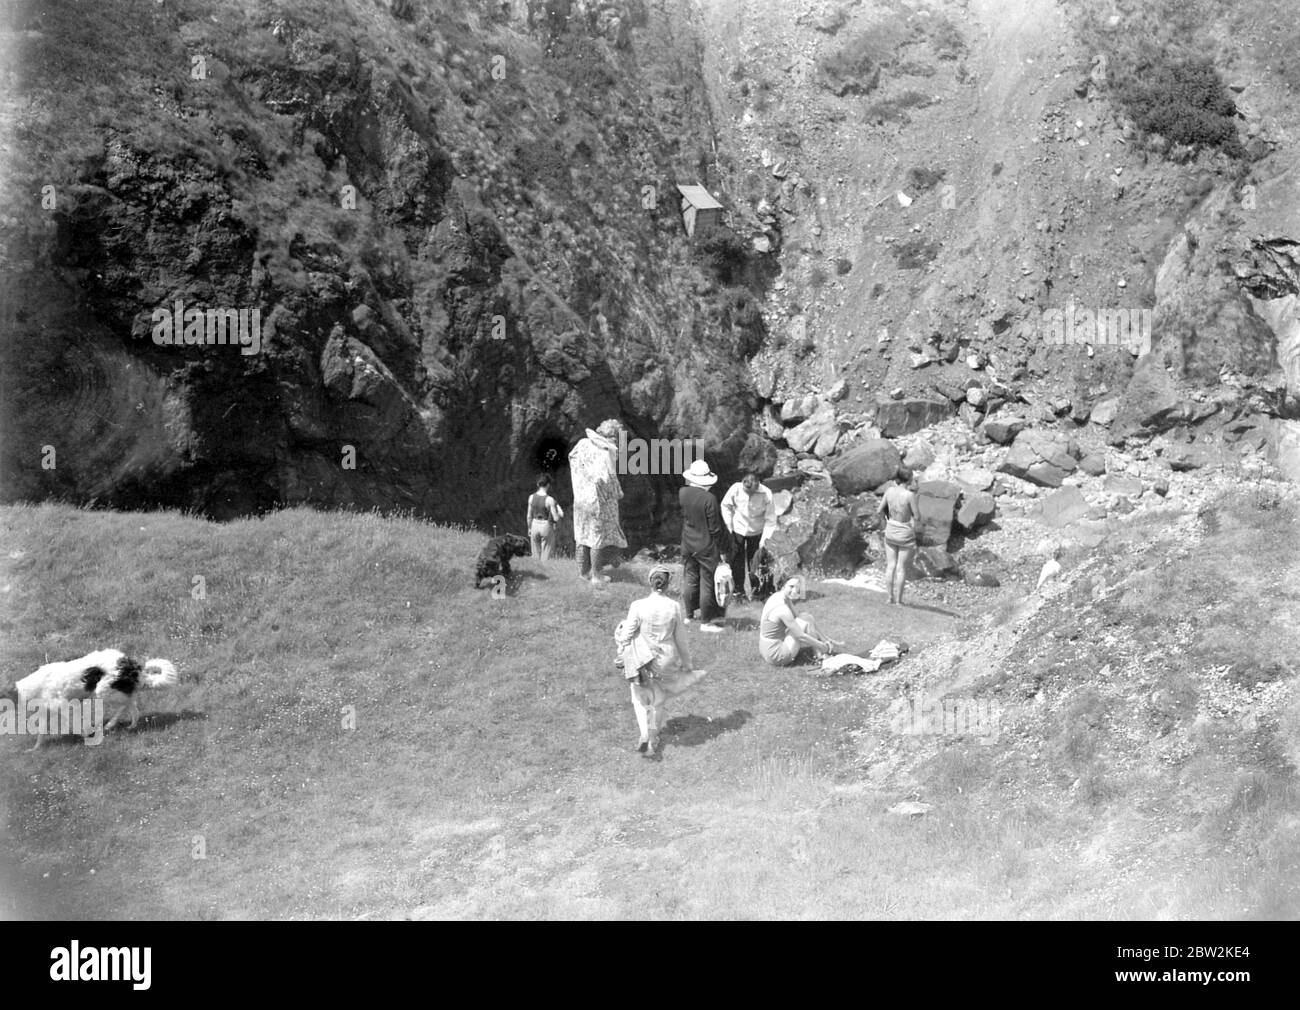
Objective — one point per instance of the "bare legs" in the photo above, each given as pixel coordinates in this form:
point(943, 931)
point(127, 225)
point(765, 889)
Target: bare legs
point(648, 700)
point(896, 559)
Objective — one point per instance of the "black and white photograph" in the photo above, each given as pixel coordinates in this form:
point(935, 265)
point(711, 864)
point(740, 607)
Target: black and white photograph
point(651, 461)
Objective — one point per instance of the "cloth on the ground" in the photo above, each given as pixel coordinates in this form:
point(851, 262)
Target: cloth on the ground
point(843, 662)
point(885, 651)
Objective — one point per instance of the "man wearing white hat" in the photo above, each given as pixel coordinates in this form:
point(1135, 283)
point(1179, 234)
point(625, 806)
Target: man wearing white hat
point(704, 544)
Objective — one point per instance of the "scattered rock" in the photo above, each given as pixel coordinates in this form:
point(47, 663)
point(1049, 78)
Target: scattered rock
point(976, 509)
point(903, 417)
point(1103, 411)
point(1093, 464)
point(865, 467)
point(920, 456)
point(1040, 458)
point(781, 502)
point(836, 545)
point(1004, 431)
point(819, 426)
point(1122, 484)
point(975, 479)
point(983, 578)
point(976, 396)
point(1063, 507)
point(937, 505)
point(1187, 457)
point(911, 808)
point(1161, 487)
point(798, 410)
point(932, 563)
point(838, 391)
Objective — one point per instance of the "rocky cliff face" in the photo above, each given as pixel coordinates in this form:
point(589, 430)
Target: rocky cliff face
point(458, 226)
point(457, 222)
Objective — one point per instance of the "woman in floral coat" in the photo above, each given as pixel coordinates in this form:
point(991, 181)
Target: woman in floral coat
point(593, 463)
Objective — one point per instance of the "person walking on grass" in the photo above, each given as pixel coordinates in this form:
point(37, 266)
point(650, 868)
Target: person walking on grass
point(704, 544)
point(750, 518)
point(655, 655)
point(902, 516)
point(784, 636)
point(593, 462)
point(544, 513)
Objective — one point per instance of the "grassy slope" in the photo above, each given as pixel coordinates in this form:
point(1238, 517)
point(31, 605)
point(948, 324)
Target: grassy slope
point(491, 771)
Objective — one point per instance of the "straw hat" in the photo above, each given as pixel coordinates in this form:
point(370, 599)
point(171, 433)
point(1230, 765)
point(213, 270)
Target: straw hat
point(699, 475)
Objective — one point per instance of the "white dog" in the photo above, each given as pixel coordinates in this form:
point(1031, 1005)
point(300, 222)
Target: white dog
point(107, 674)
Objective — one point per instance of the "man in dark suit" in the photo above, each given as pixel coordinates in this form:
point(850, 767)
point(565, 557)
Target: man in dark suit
point(705, 542)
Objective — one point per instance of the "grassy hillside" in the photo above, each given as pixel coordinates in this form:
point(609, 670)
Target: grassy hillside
point(491, 770)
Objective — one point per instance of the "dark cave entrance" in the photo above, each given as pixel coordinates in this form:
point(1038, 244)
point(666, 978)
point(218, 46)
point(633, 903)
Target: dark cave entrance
point(551, 455)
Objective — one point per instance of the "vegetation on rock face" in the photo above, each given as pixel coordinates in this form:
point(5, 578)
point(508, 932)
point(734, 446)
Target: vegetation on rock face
point(465, 220)
point(1159, 67)
point(1184, 101)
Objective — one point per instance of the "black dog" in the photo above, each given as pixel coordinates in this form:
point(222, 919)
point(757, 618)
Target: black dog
point(494, 558)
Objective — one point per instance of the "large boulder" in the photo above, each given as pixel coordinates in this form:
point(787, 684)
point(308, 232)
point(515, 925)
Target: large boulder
point(865, 467)
point(1040, 458)
point(975, 478)
point(920, 456)
point(976, 509)
point(781, 501)
point(1003, 430)
point(1060, 508)
point(937, 505)
point(819, 429)
point(836, 545)
point(932, 563)
point(797, 410)
point(902, 417)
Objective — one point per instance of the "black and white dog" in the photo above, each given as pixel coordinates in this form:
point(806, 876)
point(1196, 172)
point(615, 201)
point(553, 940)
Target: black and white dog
point(494, 558)
point(108, 675)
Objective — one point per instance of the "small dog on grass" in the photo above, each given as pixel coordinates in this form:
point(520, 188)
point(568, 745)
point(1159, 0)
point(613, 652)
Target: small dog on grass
point(108, 675)
point(494, 558)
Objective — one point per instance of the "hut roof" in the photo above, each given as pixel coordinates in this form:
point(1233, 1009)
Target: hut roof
point(699, 197)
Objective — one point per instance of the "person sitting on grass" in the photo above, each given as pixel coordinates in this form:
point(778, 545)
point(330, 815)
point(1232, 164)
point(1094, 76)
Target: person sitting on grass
point(784, 636)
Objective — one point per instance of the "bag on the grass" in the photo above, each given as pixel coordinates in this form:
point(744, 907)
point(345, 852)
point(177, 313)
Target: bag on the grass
point(724, 587)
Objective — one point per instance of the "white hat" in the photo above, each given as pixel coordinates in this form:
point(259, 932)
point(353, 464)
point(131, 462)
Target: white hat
point(700, 475)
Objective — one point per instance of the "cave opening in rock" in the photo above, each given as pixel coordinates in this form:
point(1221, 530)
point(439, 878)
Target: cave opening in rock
point(551, 454)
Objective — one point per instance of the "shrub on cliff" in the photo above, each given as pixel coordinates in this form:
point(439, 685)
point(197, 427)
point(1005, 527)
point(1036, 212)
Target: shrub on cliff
point(1184, 101)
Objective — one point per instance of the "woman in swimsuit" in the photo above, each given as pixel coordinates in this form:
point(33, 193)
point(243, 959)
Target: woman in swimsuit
point(782, 634)
point(902, 515)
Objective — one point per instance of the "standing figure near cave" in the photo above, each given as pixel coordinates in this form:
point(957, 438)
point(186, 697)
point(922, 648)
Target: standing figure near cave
point(593, 463)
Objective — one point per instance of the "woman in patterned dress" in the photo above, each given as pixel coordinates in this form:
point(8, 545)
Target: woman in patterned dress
point(593, 463)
